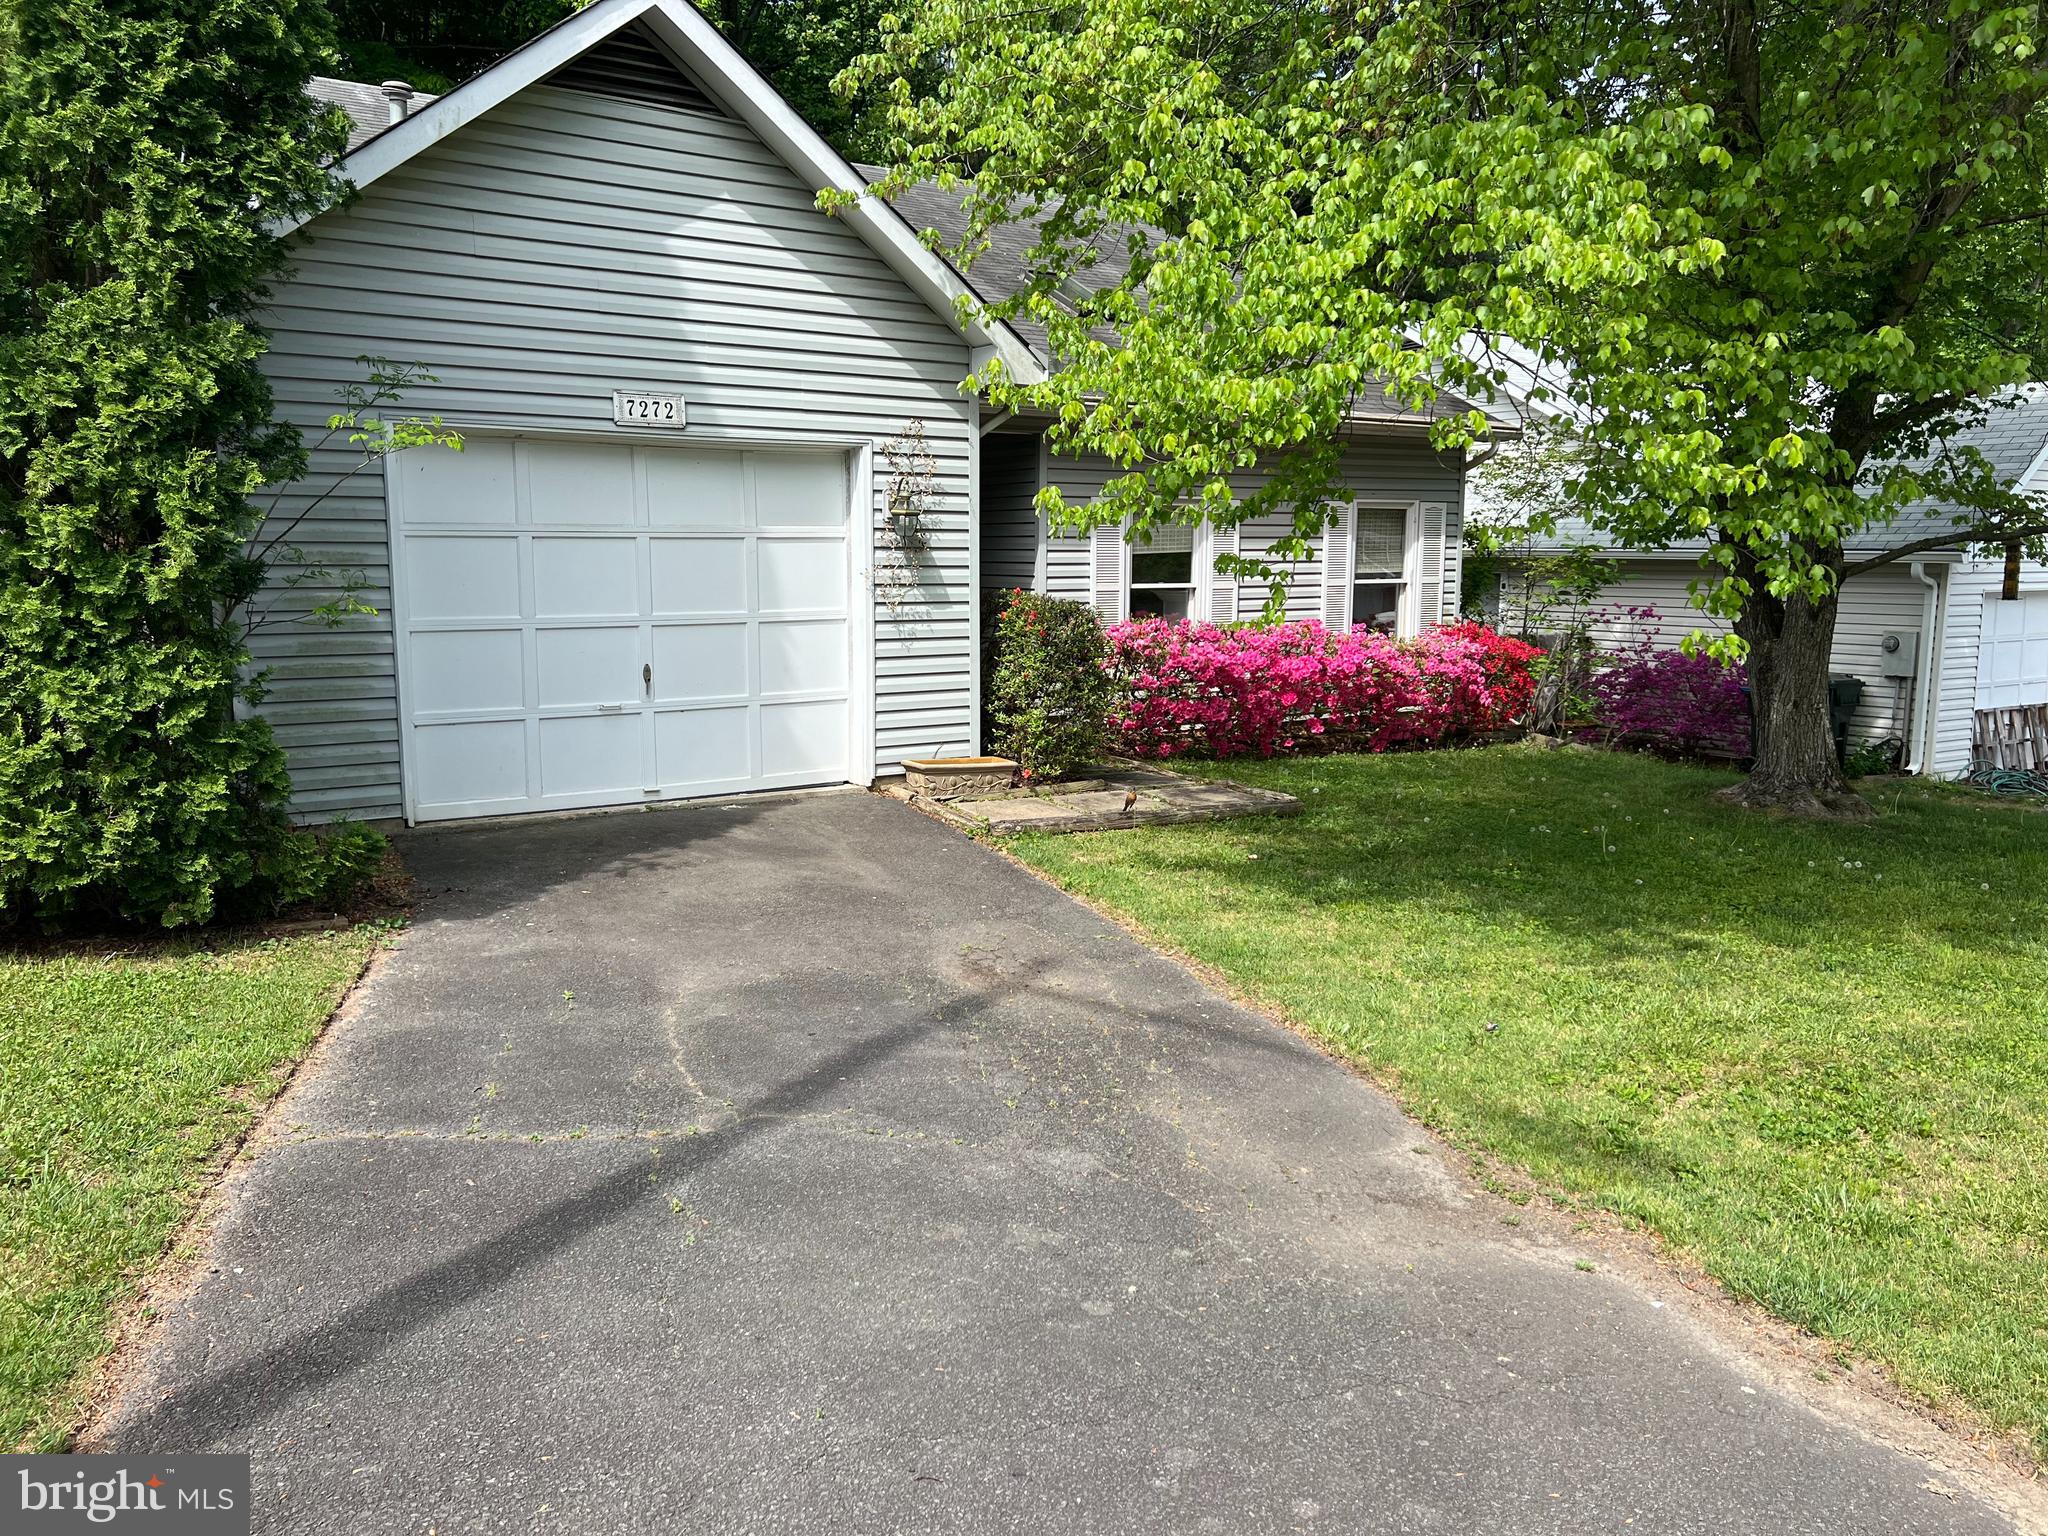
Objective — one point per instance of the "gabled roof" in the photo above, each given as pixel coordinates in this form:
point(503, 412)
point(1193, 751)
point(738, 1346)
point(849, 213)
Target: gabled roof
point(716, 68)
point(1003, 269)
point(2013, 437)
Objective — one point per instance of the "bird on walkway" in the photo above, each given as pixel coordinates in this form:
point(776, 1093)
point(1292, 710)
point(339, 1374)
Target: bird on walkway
point(1130, 800)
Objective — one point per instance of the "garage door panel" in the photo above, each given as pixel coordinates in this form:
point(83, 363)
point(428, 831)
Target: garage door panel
point(467, 669)
point(609, 621)
point(696, 489)
point(590, 754)
point(803, 656)
point(473, 486)
point(587, 666)
point(802, 740)
point(2012, 654)
point(579, 483)
point(585, 578)
point(469, 763)
point(699, 576)
point(799, 490)
point(703, 746)
point(462, 578)
point(700, 661)
point(800, 575)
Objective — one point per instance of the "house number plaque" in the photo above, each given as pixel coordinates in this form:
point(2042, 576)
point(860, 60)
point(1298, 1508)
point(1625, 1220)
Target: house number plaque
point(631, 409)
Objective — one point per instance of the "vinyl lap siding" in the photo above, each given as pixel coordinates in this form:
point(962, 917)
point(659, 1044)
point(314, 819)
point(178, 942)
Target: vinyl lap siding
point(1871, 604)
point(1385, 469)
point(1009, 523)
point(1884, 599)
point(1400, 470)
point(564, 245)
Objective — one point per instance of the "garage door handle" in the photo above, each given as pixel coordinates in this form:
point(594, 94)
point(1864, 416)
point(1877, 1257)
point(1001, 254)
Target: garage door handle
point(647, 678)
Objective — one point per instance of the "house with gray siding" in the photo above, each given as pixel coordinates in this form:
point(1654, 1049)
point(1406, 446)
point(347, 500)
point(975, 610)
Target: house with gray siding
point(654, 569)
point(1389, 556)
point(1944, 652)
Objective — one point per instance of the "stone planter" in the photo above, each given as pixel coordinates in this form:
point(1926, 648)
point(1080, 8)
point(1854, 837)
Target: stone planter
point(957, 778)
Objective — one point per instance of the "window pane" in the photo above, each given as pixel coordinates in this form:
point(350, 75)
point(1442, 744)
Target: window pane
point(1163, 603)
point(1376, 605)
point(1382, 542)
point(1154, 565)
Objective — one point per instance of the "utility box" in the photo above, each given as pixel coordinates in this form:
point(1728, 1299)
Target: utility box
point(1898, 653)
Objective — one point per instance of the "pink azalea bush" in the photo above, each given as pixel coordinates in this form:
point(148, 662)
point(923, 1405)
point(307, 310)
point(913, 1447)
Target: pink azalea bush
point(1183, 688)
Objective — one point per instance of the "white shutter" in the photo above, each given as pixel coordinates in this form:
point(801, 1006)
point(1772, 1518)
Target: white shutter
point(1222, 586)
point(1337, 567)
point(1429, 607)
point(1111, 584)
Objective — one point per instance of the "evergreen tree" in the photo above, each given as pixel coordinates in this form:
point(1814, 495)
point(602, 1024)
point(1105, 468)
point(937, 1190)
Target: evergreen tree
point(146, 147)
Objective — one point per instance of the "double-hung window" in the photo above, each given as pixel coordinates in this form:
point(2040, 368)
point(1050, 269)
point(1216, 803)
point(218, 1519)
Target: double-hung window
point(1379, 569)
point(1164, 573)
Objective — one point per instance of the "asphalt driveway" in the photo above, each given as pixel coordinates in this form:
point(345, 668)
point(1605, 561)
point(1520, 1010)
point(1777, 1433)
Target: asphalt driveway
point(797, 1165)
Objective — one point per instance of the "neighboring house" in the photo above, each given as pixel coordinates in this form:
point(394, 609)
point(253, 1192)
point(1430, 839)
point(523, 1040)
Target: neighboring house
point(649, 574)
point(1931, 637)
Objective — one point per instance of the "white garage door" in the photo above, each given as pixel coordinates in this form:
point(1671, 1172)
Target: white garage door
point(2012, 657)
point(601, 624)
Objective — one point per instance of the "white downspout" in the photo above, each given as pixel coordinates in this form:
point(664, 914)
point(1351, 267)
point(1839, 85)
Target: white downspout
point(1923, 684)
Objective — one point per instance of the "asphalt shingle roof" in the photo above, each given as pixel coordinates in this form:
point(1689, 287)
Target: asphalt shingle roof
point(1003, 269)
point(2011, 437)
point(368, 108)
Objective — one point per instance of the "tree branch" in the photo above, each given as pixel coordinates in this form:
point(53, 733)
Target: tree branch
point(1915, 413)
point(1978, 534)
point(2011, 218)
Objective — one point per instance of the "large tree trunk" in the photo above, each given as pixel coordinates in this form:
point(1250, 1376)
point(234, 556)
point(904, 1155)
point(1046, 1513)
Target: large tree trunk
point(1794, 767)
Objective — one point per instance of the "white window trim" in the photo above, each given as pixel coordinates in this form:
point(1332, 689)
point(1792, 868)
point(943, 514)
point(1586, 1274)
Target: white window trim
point(1200, 572)
point(1407, 614)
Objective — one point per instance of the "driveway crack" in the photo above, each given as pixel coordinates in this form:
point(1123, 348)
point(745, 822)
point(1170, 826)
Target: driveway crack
point(675, 1054)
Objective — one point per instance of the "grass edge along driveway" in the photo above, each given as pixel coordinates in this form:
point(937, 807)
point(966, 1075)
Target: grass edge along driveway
point(124, 1070)
point(1812, 1057)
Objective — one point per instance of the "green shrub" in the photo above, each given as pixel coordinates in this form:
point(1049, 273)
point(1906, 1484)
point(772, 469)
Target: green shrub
point(326, 868)
point(1047, 693)
point(1868, 757)
point(146, 148)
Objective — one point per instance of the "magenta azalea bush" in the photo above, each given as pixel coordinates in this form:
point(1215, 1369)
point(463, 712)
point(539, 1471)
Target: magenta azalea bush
point(1692, 704)
point(1183, 688)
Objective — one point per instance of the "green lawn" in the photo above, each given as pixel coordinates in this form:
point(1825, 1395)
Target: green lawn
point(1813, 1057)
point(121, 1077)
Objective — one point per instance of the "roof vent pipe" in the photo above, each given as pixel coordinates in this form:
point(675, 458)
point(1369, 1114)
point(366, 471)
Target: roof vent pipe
point(399, 94)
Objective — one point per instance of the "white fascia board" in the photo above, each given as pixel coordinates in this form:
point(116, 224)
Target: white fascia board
point(2031, 480)
point(742, 91)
